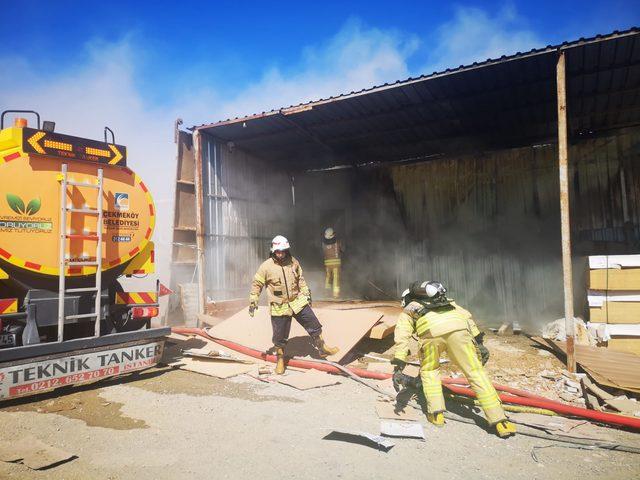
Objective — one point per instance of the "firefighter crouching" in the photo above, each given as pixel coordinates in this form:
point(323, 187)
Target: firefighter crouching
point(288, 296)
point(441, 325)
point(332, 250)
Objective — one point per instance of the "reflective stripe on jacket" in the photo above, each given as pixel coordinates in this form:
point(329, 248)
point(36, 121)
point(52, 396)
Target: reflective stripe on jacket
point(416, 319)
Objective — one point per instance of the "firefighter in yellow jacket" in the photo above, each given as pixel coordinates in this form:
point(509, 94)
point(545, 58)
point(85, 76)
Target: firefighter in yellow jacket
point(332, 250)
point(441, 325)
point(289, 296)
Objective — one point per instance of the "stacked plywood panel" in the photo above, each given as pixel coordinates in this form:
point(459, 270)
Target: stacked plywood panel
point(614, 300)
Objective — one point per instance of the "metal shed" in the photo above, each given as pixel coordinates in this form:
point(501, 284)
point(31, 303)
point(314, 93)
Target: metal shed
point(452, 175)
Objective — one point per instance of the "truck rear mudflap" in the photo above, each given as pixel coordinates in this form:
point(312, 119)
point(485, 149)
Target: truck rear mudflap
point(35, 369)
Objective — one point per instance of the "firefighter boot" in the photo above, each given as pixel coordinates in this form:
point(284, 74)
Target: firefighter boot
point(323, 349)
point(280, 368)
point(436, 418)
point(505, 429)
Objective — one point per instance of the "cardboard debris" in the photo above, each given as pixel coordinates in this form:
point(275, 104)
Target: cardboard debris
point(340, 328)
point(386, 386)
point(214, 355)
point(384, 328)
point(388, 410)
point(212, 369)
point(596, 390)
point(310, 379)
point(32, 452)
point(361, 438)
point(380, 367)
point(624, 405)
point(402, 429)
point(614, 369)
point(561, 426)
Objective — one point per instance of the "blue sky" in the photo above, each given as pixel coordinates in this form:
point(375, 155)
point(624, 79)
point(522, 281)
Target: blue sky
point(227, 45)
point(136, 65)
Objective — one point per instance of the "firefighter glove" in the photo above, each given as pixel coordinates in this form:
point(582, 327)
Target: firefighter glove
point(481, 350)
point(398, 377)
point(252, 308)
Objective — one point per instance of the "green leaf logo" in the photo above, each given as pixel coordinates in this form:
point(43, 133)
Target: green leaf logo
point(33, 206)
point(16, 203)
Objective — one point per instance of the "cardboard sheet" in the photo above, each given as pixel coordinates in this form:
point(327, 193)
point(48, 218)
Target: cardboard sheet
point(341, 328)
point(309, 379)
point(212, 368)
point(34, 453)
point(385, 328)
point(607, 367)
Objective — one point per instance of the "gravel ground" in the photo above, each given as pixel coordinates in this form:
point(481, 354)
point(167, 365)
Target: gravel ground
point(177, 424)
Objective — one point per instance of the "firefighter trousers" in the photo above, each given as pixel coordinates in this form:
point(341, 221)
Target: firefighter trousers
point(281, 325)
point(462, 351)
point(332, 272)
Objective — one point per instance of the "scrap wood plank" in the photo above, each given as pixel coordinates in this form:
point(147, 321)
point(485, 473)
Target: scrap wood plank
point(607, 367)
point(340, 328)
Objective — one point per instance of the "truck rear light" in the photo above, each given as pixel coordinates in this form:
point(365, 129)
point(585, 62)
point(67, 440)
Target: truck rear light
point(145, 312)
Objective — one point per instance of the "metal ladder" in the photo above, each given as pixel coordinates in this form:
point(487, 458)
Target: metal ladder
point(65, 262)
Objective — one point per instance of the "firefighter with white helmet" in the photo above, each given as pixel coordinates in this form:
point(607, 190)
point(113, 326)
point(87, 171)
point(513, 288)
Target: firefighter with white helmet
point(332, 249)
point(289, 296)
point(441, 325)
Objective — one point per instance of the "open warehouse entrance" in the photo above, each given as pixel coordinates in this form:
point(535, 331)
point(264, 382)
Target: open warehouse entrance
point(451, 176)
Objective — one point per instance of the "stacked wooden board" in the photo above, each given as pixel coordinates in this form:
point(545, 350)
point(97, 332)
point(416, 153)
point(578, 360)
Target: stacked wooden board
point(614, 300)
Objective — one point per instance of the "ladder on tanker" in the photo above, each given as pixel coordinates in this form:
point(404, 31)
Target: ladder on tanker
point(65, 258)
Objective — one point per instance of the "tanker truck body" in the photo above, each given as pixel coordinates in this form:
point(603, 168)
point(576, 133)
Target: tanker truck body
point(73, 220)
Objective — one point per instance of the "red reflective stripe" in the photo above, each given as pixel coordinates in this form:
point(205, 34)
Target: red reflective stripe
point(4, 253)
point(148, 234)
point(144, 187)
point(137, 272)
point(127, 170)
point(134, 251)
point(146, 297)
point(151, 208)
point(33, 266)
point(7, 303)
point(75, 269)
point(13, 156)
point(114, 262)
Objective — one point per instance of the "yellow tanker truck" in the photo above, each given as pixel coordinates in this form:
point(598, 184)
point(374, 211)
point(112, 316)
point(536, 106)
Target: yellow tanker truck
point(73, 220)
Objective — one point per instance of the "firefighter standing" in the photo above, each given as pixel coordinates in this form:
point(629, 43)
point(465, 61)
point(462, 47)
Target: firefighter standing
point(332, 250)
point(289, 296)
point(441, 325)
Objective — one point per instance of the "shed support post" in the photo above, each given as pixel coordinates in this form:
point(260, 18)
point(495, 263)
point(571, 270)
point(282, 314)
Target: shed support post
point(563, 169)
point(197, 137)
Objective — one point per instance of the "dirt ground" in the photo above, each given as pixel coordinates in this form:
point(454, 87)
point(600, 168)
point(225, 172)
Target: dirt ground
point(166, 423)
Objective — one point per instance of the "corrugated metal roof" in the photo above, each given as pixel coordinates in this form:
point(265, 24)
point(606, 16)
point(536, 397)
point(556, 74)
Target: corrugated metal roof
point(505, 102)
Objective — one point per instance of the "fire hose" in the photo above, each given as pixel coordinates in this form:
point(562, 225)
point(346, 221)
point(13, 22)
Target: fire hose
point(457, 386)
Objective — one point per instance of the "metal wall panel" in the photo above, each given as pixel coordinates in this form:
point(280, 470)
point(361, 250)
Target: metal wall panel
point(246, 203)
point(488, 224)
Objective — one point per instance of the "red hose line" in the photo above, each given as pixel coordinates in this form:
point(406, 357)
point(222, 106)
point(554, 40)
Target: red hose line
point(528, 399)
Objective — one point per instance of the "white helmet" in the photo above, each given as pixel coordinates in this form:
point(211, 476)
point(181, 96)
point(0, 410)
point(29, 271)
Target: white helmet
point(279, 243)
point(329, 233)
